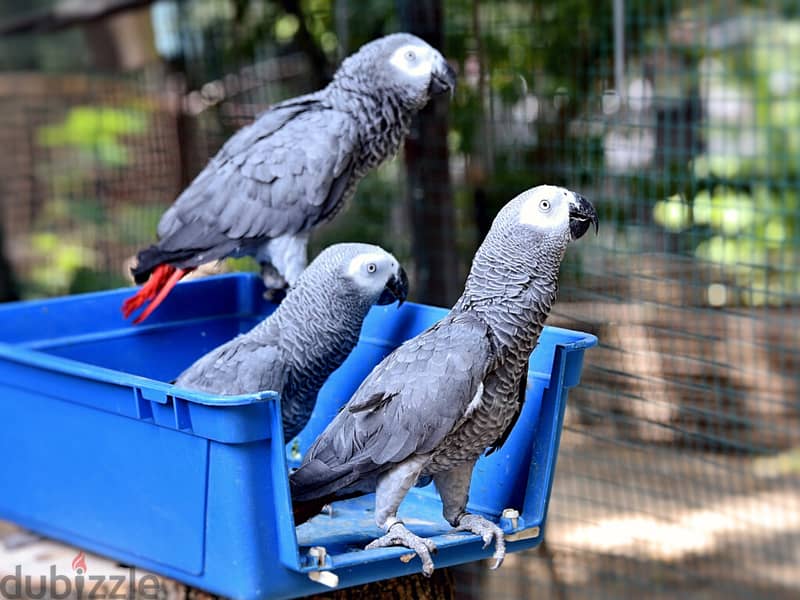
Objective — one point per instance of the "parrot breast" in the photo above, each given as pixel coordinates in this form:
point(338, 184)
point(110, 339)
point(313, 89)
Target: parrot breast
point(516, 321)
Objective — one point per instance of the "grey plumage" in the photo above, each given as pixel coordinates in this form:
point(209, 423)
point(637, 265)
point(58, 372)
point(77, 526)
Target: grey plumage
point(298, 163)
point(308, 336)
point(438, 401)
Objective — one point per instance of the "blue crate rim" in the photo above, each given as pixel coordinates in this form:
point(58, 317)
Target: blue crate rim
point(29, 353)
point(68, 366)
point(21, 355)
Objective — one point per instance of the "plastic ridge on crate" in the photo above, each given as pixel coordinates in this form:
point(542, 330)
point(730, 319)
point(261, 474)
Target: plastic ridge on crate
point(101, 452)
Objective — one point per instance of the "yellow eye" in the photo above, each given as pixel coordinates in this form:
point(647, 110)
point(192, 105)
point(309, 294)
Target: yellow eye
point(371, 268)
point(544, 205)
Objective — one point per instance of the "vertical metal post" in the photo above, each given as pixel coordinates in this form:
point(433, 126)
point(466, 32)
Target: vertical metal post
point(430, 192)
point(619, 47)
point(342, 17)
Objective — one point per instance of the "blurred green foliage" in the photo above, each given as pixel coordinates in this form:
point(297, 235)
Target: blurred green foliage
point(97, 131)
point(532, 79)
point(744, 196)
point(71, 226)
point(57, 51)
point(61, 258)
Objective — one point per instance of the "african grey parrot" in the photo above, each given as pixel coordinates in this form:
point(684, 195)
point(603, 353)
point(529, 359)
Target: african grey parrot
point(296, 348)
point(293, 169)
point(438, 401)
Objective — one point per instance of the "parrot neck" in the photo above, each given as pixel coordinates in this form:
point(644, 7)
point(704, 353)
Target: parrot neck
point(318, 330)
point(324, 317)
point(383, 121)
point(510, 297)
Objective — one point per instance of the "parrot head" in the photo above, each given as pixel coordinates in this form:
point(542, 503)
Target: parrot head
point(525, 246)
point(403, 66)
point(554, 211)
point(349, 276)
point(377, 275)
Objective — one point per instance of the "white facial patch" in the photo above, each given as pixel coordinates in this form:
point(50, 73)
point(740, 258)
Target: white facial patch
point(356, 266)
point(546, 206)
point(414, 60)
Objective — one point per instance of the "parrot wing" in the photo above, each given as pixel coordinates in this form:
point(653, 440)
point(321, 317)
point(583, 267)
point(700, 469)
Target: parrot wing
point(406, 406)
point(263, 183)
point(240, 366)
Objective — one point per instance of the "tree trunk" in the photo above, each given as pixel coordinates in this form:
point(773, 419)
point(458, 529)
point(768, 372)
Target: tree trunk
point(430, 196)
point(8, 286)
point(123, 41)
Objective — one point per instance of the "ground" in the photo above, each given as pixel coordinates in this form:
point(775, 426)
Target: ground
point(628, 519)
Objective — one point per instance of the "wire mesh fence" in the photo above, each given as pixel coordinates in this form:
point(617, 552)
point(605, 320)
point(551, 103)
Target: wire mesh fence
point(679, 470)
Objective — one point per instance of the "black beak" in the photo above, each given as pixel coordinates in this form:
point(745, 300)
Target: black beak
point(581, 215)
point(443, 80)
point(396, 289)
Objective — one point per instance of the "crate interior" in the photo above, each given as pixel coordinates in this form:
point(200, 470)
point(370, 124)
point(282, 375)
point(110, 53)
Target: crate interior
point(159, 353)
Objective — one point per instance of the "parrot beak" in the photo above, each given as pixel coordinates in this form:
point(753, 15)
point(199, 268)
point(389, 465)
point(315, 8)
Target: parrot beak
point(443, 79)
point(396, 289)
point(581, 215)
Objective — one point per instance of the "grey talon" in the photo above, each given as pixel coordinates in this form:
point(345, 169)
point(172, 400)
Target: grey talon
point(486, 530)
point(398, 535)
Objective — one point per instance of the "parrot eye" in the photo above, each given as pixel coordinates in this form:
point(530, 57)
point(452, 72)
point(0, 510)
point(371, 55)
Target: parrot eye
point(544, 205)
point(411, 56)
point(371, 268)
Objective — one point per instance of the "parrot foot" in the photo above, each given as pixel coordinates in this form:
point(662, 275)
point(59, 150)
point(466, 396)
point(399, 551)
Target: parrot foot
point(275, 295)
point(487, 530)
point(275, 283)
point(398, 535)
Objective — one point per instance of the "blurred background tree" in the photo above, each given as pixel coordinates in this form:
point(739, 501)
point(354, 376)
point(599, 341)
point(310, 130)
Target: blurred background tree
point(681, 144)
point(741, 205)
point(514, 107)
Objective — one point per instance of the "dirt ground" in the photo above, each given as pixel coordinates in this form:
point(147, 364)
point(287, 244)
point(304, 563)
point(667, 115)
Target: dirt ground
point(629, 521)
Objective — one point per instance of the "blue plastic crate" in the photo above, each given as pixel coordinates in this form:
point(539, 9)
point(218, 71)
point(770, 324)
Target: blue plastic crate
point(100, 452)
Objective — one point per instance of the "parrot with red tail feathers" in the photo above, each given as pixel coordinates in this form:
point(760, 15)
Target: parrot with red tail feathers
point(292, 169)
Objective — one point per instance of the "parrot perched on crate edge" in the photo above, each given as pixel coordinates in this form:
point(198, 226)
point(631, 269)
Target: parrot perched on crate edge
point(436, 403)
point(310, 334)
point(293, 169)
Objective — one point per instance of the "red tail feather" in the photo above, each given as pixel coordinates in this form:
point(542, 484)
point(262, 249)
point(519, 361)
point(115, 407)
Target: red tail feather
point(155, 289)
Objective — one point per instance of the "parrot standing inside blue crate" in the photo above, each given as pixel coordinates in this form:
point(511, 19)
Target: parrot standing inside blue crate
point(310, 334)
point(436, 403)
point(293, 169)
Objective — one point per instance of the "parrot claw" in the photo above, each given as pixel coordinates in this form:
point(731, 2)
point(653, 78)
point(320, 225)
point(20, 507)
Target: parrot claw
point(275, 284)
point(275, 295)
point(488, 531)
point(399, 535)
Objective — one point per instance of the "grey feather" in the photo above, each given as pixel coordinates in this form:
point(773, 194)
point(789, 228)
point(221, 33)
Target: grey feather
point(378, 427)
point(308, 336)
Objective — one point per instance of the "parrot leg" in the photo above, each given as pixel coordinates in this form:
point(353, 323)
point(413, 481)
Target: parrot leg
point(453, 487)
point(391, 489)
point(276, 285)
point(288, 254)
